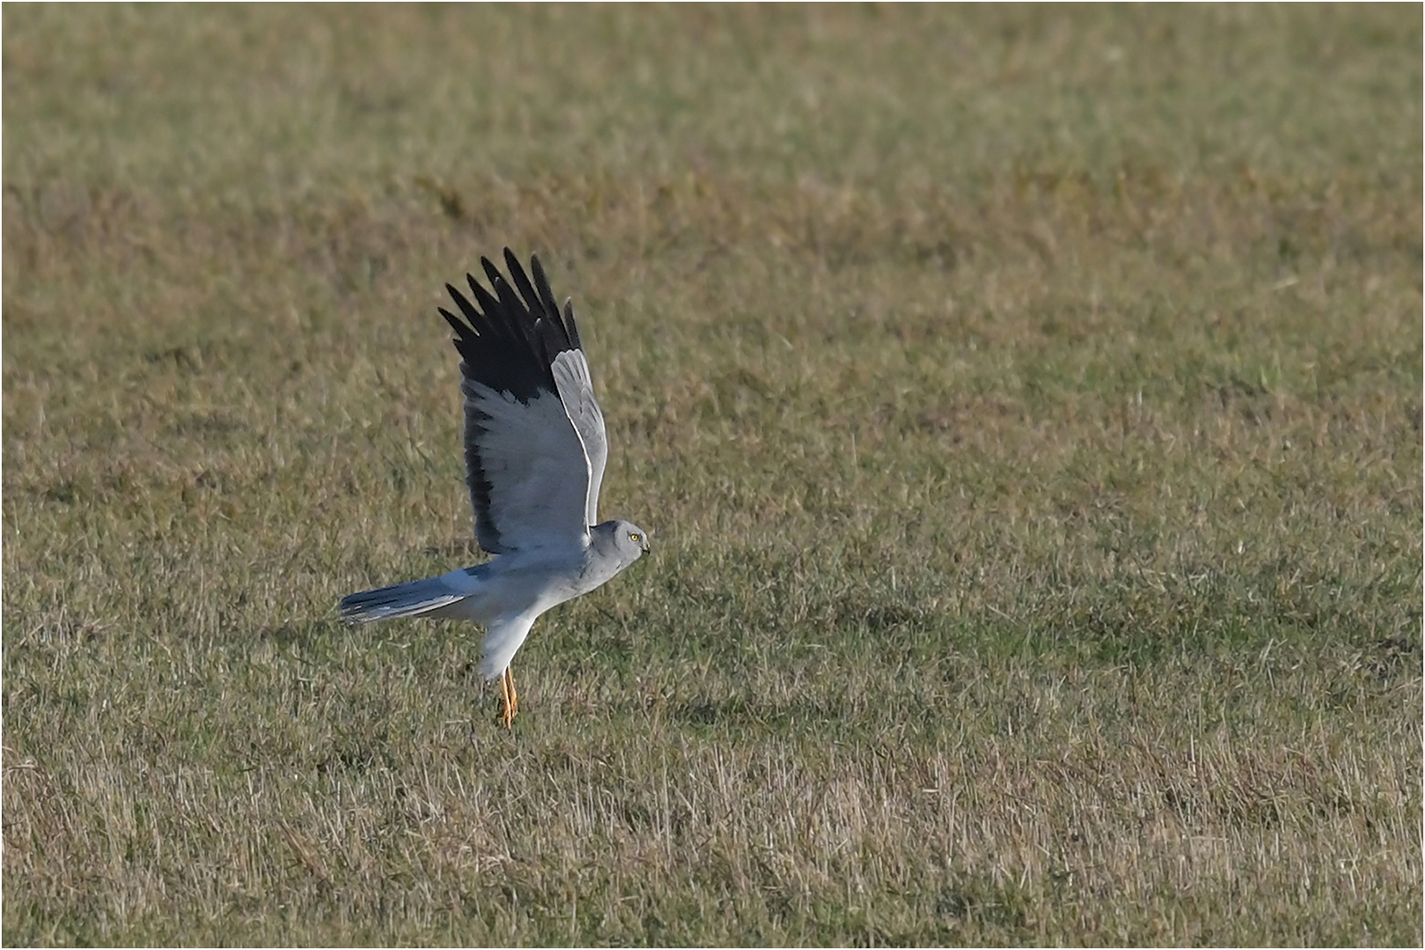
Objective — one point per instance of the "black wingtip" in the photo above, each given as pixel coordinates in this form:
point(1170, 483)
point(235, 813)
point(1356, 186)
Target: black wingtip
point(513, 263)
point(570, 325)
point(512, 331)
point(461, 330)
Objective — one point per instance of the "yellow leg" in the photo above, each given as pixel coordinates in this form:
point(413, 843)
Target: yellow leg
point(509, 699)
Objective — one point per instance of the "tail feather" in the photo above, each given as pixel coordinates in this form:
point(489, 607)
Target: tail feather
point(398, 600)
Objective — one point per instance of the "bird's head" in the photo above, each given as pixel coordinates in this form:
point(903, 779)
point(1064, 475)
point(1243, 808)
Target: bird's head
point(626, 540)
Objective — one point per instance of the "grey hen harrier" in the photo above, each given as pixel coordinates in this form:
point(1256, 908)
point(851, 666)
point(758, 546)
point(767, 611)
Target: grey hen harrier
point(534, 457)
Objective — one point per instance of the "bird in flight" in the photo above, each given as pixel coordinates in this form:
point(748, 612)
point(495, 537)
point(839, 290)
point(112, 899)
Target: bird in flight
point(535, 449)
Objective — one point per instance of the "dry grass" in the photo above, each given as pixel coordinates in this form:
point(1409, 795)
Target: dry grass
point(1026, 405)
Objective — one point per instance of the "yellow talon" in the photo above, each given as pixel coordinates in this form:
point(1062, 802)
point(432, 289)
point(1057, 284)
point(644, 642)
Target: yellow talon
point(509, 699)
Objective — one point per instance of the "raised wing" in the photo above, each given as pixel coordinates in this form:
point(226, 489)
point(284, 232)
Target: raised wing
point(535, 446)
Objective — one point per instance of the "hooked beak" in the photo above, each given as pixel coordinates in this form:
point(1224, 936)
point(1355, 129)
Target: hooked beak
point(645, 546)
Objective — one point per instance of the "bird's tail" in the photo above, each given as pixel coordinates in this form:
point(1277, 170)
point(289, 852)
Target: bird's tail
point(400, 600)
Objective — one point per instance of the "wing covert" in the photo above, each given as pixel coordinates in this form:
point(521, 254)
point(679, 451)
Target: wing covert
point(576, 391)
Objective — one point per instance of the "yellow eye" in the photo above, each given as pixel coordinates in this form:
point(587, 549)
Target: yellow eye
point(634, 536)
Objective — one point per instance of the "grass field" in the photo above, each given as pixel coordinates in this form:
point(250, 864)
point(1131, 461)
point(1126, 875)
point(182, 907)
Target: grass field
point(1026, 404)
